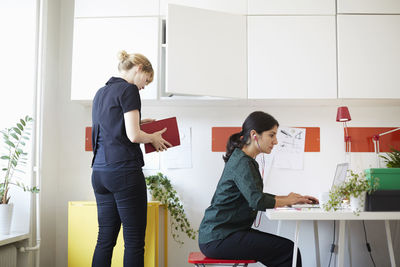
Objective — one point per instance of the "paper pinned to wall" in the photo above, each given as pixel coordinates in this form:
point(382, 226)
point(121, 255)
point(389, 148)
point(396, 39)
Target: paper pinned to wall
point(289, 153)
point(180, 157)
point(151, 160)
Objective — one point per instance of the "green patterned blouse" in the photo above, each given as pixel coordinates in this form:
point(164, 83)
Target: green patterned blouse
point(238, 197)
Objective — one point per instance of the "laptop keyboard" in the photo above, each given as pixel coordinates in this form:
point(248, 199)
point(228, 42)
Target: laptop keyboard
point(300, 206)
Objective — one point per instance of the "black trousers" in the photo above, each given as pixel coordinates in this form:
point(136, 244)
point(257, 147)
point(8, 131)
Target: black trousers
point(121, 198)
point(271, 250)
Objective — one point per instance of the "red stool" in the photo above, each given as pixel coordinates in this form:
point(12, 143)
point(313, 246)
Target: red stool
point(198, 259)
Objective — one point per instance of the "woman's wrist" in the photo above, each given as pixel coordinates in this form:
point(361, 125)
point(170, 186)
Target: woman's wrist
point(151, 138)
point(281, 201)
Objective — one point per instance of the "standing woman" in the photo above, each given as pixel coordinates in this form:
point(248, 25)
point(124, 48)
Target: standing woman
point(225, 231)
point(117, 178)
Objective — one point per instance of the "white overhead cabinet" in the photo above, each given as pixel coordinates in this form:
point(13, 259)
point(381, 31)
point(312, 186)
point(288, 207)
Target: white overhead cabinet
point(369, 56)
point(206, 53)
point(283, 49)
point(369, 6)
point(292, 57)
point(116, 8)
point(291, 7)
point(96, 44)
point(228, 6)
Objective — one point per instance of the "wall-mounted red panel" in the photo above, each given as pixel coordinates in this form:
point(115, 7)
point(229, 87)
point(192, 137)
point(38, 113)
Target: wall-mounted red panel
point(313, 141)
point(361, 139)
point(220, 136)
point(88, 139)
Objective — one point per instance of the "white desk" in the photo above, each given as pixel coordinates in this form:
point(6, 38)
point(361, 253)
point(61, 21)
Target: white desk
point(316, 215)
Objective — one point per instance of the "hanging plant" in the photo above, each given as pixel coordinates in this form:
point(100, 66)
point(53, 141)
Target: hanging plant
point(161, 190)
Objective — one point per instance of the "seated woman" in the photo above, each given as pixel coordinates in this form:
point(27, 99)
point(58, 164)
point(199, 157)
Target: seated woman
point(225, 231)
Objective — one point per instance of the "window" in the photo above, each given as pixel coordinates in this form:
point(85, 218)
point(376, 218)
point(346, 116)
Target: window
point(18, 33)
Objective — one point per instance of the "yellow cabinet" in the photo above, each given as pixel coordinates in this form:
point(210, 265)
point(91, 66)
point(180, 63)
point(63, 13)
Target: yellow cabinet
point(83, 229)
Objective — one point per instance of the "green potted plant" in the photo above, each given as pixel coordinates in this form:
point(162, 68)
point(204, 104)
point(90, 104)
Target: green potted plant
point(354, 189)
point(13, 158)
point(392, 159)
point(161, 190)
point(389, 177)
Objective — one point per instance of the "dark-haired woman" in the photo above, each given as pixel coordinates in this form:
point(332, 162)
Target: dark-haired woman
point(225, 231)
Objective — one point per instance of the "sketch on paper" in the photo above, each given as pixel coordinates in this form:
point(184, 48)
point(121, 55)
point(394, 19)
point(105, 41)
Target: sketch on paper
point(289, 153)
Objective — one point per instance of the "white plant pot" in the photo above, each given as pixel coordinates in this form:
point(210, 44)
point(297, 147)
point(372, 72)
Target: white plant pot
point(357, 203)
point(5, 218)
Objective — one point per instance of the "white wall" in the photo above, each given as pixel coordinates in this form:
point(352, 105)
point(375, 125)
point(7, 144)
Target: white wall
point(196, 185)
point(66, 166)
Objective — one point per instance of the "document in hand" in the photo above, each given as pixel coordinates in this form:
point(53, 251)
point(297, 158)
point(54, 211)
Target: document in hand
point(171, 134)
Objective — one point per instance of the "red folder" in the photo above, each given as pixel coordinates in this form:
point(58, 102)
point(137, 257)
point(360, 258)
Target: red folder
point(171, 134)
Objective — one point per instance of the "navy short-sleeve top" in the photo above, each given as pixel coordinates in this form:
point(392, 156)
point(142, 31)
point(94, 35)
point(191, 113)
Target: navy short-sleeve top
point(112, 148)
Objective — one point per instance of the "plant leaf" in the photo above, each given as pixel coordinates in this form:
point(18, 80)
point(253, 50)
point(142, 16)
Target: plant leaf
point(14, 135)
point(16, 130)
point(14, 162)
point(8, 142)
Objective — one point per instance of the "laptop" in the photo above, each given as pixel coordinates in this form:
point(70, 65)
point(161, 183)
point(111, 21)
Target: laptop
point(340, 177)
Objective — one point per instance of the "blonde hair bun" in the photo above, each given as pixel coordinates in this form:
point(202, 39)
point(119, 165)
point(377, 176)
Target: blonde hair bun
point(128, 61)
point(123, 55)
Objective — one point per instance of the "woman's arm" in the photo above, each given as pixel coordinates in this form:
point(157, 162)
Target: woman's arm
point(135, 135)
point(146, 121)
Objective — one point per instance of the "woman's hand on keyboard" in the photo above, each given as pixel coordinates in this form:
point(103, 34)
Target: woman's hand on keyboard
point(294, 198)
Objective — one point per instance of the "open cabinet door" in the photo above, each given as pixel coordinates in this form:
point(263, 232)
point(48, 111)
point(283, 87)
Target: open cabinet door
point(206, 53)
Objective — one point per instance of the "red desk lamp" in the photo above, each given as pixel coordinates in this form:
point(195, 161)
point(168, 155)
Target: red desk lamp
point(343, 115)
point(375, 139)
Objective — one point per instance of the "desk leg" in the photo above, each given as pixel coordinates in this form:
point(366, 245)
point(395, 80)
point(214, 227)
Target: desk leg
point(349, 242)
point(342, 235)
point(390, 245)
point(316, 243)
point(278, 230)
point(296, 239)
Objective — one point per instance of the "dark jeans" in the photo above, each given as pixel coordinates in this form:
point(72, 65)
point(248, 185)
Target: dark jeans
point(269, 249)
point(121, 198)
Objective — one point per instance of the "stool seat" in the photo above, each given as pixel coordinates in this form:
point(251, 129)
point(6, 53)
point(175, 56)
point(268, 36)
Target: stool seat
point(199, 258)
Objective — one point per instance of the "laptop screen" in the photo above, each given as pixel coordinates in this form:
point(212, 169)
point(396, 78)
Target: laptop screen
point(340, 174)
